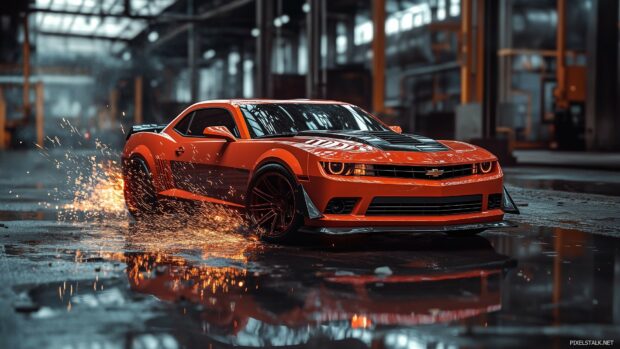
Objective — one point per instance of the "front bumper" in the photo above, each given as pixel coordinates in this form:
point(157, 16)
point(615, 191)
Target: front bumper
point(405, 229)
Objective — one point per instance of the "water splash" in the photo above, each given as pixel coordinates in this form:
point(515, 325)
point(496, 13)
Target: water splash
point(95, 192)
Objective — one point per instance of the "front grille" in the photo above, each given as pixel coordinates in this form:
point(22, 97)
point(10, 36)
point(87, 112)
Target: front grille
point(424, 206)
point(495, 201)
point(341, 205)
point(420, 172)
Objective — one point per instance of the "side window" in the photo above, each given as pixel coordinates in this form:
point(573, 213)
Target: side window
point(212, 117)
point(183, 125)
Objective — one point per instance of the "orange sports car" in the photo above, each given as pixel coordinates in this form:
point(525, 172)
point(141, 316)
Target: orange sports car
point(313, 166)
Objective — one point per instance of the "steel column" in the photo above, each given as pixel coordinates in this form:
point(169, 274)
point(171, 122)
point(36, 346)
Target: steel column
point(479, 56)
point(137, 115)
point(39, 110)
point(192, 54)
point(473, 38)
point(466, 51)
point(264, 23)
point(491, 43)
point(26, 72)
point(3, 132)
point(560, 72)
point(316, 75)
point(602, 119)
point(505, 43)
point(378, 56)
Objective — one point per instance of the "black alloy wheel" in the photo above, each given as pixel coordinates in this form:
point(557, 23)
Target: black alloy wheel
point(272, 204)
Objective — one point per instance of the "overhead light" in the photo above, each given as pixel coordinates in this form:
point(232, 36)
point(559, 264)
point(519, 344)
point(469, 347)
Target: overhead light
point(209, 54)
point(285, 19)
point(255, 32)
point(153, 36)
point(305, 7)
point(277, 22)
point(126, 55)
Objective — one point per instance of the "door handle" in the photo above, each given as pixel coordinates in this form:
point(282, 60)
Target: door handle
point(179, 151)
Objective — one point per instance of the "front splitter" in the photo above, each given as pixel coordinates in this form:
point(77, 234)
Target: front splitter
point(406, 229)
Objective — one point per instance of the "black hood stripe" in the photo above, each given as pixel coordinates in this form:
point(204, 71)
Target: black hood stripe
point(384, 140)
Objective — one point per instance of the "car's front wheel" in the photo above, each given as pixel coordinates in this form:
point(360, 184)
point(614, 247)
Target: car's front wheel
point(271, 204)
point(140, 194)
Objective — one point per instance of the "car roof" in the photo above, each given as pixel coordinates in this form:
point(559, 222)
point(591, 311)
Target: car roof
point(239, 101)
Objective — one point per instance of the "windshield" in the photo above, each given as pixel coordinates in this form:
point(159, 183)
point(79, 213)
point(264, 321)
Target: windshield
point(290, 118)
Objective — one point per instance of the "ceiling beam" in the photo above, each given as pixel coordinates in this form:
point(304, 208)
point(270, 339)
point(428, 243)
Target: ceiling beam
point(164, 17)
point(232, 5)
point(90, 14)
point(82, 36)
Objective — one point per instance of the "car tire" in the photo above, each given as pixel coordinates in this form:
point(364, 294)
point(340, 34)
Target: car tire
point(272, 205)
point(139, 191)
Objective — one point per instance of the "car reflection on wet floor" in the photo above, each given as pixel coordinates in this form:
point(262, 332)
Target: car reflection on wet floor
point(309, 291)
point(285, 295)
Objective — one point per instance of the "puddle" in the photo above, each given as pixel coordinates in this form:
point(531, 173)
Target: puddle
point(588, 187)
point(27, 215)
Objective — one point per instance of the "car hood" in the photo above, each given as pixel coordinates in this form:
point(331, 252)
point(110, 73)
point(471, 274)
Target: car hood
point(386, 147)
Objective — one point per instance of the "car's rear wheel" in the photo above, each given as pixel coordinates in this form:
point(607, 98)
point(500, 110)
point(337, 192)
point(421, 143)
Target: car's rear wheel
point(140, 194)
point(272, 204)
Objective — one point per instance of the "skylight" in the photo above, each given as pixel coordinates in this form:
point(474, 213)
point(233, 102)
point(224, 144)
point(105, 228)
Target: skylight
point(83, 22)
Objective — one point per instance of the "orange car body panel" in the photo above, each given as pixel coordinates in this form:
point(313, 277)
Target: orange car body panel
point(302, 156)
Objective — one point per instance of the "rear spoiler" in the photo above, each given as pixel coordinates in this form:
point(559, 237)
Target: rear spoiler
point(145, 128)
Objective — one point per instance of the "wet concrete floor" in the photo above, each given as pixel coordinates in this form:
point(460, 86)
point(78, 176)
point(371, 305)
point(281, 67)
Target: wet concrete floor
point(75, 272)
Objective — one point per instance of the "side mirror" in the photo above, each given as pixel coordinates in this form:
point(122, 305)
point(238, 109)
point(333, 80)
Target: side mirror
point(219, 132)
point(396, 129)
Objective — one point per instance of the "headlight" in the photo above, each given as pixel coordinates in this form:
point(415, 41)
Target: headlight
point(344, 169)
point(336, 168)
point(485, 167)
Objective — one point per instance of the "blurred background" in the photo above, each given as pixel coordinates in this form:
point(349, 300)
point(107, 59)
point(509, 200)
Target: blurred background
point(521, 77)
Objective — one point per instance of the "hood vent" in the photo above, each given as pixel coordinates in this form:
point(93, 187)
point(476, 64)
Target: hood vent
point(384, 140)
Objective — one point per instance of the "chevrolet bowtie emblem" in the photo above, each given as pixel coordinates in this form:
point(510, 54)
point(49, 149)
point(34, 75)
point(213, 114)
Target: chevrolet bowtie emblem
point(434, 172)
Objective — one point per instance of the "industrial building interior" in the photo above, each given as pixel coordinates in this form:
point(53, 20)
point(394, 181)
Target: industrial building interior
point(493, 75)
point(536, 82)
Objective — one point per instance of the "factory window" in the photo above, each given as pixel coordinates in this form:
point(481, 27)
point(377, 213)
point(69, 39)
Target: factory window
point(248, 80)
point(233, 62)
point(363, 33)
point(342, 43)
point(212, 117)
point(391, 26)
point(407, 19)
point(441, 10)
point(455, 8)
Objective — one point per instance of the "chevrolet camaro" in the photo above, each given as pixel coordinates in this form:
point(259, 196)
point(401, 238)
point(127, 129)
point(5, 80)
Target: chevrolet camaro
point(313, 167)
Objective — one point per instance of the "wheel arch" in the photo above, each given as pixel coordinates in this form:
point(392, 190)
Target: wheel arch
point(281, 157)
point(143, 152)
point(307, 208)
